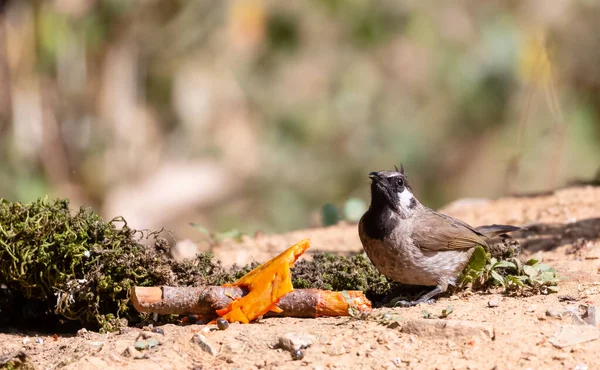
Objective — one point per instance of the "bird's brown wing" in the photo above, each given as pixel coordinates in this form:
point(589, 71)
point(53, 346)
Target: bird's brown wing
point(438, 232)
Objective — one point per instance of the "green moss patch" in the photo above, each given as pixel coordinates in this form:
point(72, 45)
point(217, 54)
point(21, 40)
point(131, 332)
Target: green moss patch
point(59, 266)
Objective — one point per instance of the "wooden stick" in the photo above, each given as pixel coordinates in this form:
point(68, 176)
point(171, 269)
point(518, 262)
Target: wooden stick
point(206, 300)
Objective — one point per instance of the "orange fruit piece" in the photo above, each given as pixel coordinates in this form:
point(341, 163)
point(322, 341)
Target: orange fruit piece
point(266, 285)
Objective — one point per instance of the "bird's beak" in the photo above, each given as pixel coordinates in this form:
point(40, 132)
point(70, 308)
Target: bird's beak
point(373, 175)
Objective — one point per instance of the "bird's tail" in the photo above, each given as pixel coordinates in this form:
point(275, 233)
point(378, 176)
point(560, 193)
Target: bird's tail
point(494, 230)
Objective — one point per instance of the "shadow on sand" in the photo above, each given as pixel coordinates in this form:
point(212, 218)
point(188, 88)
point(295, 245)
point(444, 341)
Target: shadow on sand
point(545, 237)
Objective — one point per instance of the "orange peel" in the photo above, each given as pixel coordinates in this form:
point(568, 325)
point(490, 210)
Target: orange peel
point(266, 285)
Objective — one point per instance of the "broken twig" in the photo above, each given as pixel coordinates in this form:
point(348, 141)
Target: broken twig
point(207, 300)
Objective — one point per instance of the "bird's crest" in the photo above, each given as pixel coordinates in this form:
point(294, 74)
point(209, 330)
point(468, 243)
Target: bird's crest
point(401, 170)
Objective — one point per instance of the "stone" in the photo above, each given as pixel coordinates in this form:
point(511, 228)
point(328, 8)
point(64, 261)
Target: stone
point(336, 348)
point(568, 335)
point(133, 353)
point(140, 345)
point(153, 342)
point(591, 315)
point(145, 335)
point(294, 341)
point(204, 344)
point(557, 312)
point(158, 331)
point(576, 319)
point(493, 302)
point(122, 330)
point(449, 329)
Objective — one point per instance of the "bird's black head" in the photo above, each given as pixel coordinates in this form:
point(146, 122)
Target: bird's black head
point(391, 189)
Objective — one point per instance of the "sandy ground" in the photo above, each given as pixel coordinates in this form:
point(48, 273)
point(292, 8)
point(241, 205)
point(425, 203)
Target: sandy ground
point(516, 334)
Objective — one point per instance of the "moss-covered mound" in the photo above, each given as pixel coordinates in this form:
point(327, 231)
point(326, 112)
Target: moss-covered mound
point(333, 272)
point(57, 266)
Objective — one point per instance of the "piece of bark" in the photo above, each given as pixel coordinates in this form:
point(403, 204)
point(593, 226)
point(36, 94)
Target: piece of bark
point(206, 300)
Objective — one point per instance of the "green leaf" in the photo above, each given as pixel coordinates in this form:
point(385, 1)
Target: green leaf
point(542, 267)
point(516, 280)
point(427, 315)
point(497, 277)
point(530, 270)
point(548, 276)
point(478, 259)
point(447, 311)
point(504, 264)
point(518, 264)
point(531, 262)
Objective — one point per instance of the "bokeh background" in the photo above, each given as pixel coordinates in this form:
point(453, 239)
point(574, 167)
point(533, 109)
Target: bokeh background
point(254, 114)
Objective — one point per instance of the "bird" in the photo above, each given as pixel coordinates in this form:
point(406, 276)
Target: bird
point(412, 244)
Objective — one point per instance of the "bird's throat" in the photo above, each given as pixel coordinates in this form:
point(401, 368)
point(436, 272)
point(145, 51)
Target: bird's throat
point(379, 221)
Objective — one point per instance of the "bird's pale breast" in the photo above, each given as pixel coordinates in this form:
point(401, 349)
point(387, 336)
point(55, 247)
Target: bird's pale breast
point(398, 258)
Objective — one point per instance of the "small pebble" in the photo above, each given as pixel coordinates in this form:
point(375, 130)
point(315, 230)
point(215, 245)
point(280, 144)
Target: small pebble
point(81, 332)
point(153, 342)
point(39, 340)
point(557, 312)
point(158, 330)
point(336, 349)
point(140, 345)
point(493, 302)
point(297, 355)
point(591, 315)
point(294, 341)
point(26, 340)
point(133, 353)
point(145, 335)
point(122, 330)
point(222, 324)
point(204, 344)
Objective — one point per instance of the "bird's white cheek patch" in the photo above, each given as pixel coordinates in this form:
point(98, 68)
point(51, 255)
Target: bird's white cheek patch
point(405, 198)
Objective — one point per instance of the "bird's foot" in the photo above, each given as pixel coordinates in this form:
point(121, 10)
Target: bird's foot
point(403, 303)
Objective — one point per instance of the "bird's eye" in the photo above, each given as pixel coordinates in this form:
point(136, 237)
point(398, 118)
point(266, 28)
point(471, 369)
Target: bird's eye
point(400, 182)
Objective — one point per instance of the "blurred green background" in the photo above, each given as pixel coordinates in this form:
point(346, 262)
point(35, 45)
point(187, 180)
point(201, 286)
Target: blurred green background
point(254, 114)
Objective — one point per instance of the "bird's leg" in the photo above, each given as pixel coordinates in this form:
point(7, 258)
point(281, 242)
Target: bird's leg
point(425, 298)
